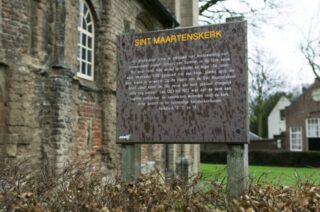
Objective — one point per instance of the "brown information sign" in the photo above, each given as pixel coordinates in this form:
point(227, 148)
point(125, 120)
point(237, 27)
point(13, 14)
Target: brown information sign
point(185, 85)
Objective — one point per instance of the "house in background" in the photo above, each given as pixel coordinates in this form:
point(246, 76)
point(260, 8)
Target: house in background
point(277, 118)
point(303, 121)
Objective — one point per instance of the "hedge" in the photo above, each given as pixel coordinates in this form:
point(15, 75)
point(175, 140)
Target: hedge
point(269, 158)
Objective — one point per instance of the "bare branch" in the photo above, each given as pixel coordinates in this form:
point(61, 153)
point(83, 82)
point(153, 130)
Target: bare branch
point(207, 5)
point(310, 46)
point(218, 10)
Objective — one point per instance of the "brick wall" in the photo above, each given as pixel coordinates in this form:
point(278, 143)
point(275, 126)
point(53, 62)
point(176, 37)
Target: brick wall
point(302, 108)
point(89, 131)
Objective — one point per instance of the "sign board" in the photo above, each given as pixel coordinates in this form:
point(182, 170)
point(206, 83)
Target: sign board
point(186, 85)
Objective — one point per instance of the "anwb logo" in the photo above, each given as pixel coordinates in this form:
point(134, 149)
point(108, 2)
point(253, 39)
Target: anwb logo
point(125, 137)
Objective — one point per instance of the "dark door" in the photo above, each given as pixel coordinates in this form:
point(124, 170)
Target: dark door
point(314, 144)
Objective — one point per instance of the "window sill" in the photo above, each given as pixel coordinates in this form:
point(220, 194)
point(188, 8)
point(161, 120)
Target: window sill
point(86, 84)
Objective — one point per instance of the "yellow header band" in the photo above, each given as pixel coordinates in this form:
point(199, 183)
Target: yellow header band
point(178, 38)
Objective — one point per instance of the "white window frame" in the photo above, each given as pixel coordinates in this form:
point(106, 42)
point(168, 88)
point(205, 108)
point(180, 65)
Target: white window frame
point(313, 131)
point(80, 47)
point(296, 135)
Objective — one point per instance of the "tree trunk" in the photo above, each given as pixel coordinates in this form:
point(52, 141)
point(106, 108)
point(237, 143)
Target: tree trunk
point(260, 124)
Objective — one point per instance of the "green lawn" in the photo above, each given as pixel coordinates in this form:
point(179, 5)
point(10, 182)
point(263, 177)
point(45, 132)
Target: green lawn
point(274, 175)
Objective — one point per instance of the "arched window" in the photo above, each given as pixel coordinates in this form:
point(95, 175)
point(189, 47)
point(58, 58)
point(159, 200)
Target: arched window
point(85, 51)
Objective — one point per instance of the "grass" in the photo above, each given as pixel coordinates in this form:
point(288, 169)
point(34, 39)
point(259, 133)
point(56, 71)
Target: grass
point(289, 176)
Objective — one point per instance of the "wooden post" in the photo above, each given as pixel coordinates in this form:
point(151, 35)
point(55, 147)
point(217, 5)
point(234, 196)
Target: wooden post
point(130, 161)
point(237, 160)
point(183, 164)
point(237, 170)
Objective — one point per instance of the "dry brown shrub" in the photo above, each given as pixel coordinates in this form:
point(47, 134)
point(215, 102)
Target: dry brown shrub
point(305, 197)
point(82, 187)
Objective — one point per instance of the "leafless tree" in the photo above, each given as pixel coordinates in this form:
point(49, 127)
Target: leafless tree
point(215, 11)
point(310, 46)
point(264, 80)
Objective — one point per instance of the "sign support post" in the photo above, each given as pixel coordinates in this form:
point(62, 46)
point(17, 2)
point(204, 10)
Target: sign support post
point(237, 169)
point(237, 160)
point(130, 161)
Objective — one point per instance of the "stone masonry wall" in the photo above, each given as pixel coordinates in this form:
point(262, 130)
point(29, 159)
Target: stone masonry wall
point(15, 20)
point(20, 130)
point(48, 115)
point(3, 109)
point(56, 118)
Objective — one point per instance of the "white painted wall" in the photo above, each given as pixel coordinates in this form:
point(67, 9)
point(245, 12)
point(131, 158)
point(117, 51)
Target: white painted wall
point(275, 124)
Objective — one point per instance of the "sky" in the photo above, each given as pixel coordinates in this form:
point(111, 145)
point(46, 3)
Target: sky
point(283, 43)
point(281, 35)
